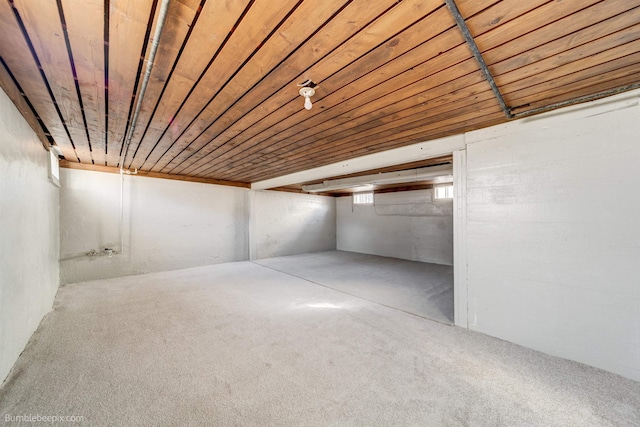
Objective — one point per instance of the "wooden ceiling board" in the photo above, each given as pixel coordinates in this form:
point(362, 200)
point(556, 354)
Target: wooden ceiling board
point(14, 92)
point(380, 129)
point(449, 129)
point(214, 24)
point(169, 51)
point(254, 29)
point(222, 101)
point(417, 95)
point(605, 49)
point(578, 87)
point(87, 47)
point(603, 62)
point(438, 129)
point(499, 14)
point(287, 102)
point(17, 57)
point(546, 13)
point(336, 106)
point(129, 29)
point(452, 126)
point(465, 87)
point(42, 23)
point(481, 19)
point(260, 72)
point(562, 35)
point(468, 8)
point(320, 44)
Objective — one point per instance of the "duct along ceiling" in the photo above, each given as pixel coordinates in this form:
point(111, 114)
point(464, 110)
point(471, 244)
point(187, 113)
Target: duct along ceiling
point(222, 99)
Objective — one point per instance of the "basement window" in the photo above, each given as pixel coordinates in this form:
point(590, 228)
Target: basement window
point(443, 192)
point(363, 198)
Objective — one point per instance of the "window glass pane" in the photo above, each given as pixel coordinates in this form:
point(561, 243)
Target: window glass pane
point(363, 198)
point(443, 192)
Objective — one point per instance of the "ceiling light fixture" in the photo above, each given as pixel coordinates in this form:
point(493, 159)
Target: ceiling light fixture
point(307, 90)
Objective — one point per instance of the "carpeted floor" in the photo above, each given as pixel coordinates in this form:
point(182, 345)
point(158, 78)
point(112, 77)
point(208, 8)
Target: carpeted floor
point(242, 344)
point(418, 288)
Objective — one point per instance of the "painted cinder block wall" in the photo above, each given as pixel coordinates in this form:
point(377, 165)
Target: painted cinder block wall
point(407, 225)
point(168, 224)
point(290, 223)
point(29, 245)
point(552, 236)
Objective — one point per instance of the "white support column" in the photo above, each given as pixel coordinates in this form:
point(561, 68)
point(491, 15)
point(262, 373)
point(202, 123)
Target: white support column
point(460, 289)
point(252, 224)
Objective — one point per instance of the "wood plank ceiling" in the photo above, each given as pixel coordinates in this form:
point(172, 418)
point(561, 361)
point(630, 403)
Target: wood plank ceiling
point(222, 101)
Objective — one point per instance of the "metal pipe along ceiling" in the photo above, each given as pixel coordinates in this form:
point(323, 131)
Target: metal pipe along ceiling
point(162, 16)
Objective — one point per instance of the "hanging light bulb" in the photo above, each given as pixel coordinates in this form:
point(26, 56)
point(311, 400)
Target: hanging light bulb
point(307, 92)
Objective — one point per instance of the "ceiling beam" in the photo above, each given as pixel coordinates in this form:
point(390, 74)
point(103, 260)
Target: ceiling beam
point(462, 25)
point(424, 150)
point(440, 173)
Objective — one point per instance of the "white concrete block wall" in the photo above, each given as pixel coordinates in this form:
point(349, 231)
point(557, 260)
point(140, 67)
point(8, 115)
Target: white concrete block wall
point(407, 225)
point(289, 224)
point(553, 234)
point(169, 224)
point(29, 274)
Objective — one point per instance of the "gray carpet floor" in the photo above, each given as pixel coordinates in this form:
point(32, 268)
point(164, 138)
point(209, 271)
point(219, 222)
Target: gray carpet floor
point(242, 344)
point(419, 288)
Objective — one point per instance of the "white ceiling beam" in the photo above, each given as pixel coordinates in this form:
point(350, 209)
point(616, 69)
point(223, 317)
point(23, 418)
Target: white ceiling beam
point(411, 153)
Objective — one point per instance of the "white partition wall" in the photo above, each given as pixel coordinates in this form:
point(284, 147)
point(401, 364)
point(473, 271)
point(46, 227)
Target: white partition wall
point(168, 224)
point(407, 225)
point(460, 286)
point(29, 209)
point(289, 224)
point(553, 233)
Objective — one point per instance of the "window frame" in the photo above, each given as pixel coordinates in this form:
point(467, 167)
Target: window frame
point(368, 202)
point(446, 191)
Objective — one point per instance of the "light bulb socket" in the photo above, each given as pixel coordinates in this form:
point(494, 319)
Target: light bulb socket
point(307, 92)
